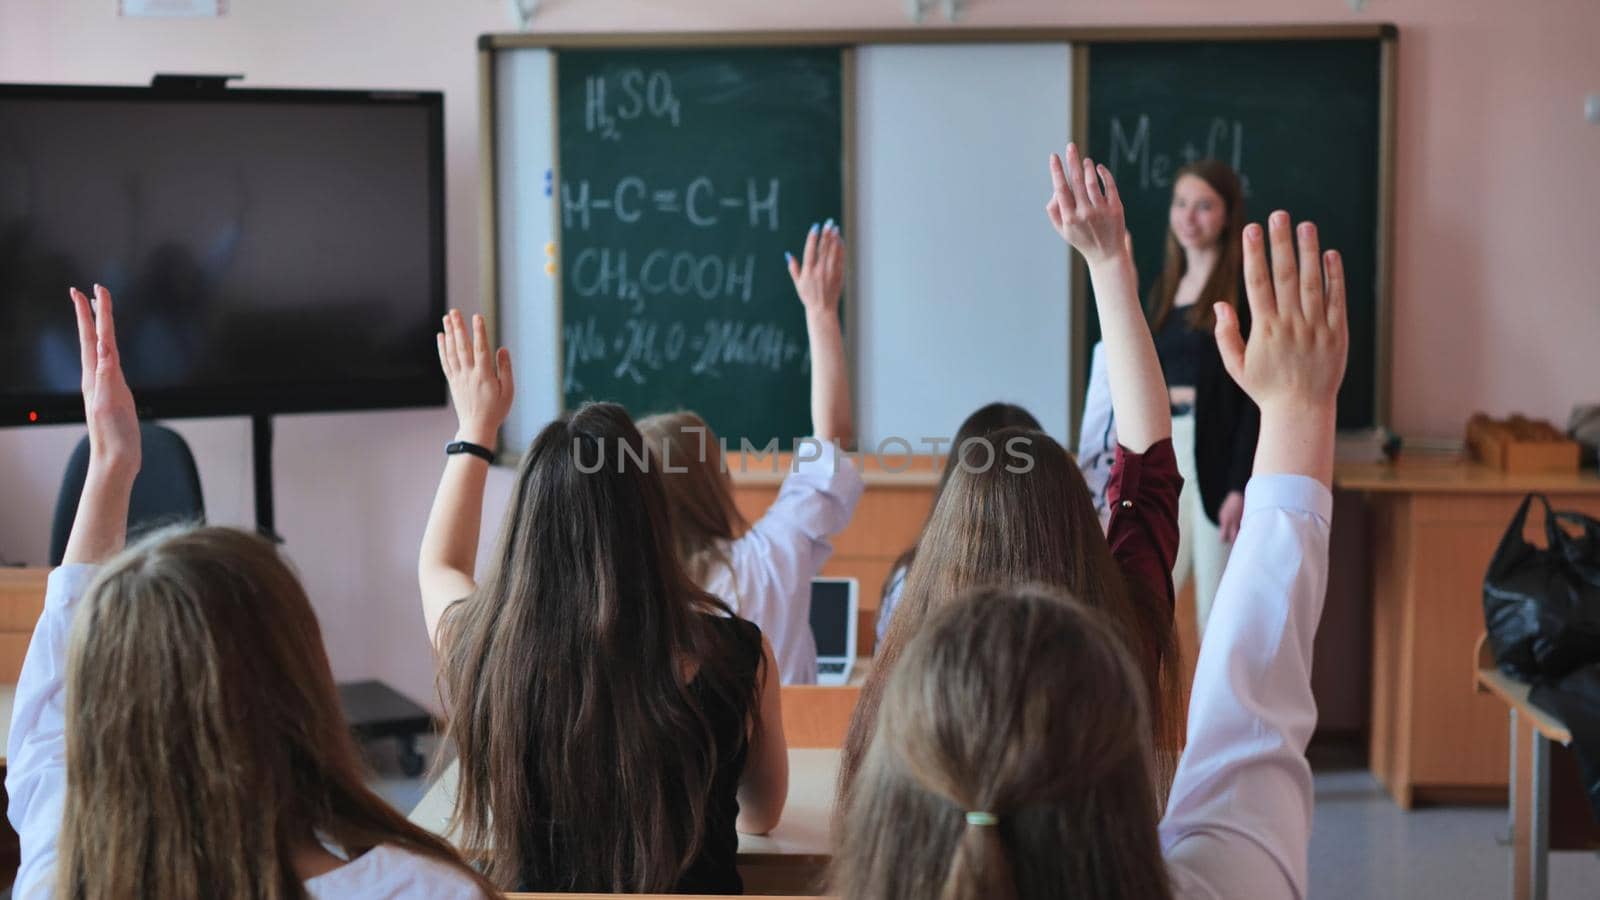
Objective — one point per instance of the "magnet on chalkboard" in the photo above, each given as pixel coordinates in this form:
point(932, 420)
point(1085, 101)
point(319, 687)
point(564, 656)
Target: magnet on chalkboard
point(550, 268)
point(549, 183)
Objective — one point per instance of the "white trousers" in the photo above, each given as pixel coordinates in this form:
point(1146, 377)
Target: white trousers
point(1201, 550)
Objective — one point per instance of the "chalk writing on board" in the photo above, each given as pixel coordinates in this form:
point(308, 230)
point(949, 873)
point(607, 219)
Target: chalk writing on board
point(635, 93)
point(608, 272)
point(642, 347)
point(1224, 140)
point(698, 201)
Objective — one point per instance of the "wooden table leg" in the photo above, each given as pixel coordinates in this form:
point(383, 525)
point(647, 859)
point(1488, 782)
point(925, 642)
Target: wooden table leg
point(1530, 812)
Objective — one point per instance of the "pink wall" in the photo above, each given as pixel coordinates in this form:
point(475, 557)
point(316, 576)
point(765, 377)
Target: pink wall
point(1497, 283)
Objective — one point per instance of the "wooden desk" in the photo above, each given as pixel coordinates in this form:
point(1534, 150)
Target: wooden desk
point(21, 604)
point(791, 860)
point(1532, 730)
point(1432, 530)
point(818, 716)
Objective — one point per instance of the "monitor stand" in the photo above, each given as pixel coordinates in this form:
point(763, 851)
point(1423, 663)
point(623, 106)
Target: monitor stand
point(372, 709)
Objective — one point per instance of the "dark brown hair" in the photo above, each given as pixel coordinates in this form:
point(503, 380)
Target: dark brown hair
point(1023, 704)
point(1222, 285)
point(586, 761)
point(984, 421)
point(205, 740)
point(997, 527)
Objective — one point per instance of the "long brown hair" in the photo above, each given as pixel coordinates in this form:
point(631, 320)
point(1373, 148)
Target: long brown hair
point(205, 740)
point(984, 421)
point(1019, 703)
point(586, 762)
point(699, 495)
point(999, 525)
point(1222, 285)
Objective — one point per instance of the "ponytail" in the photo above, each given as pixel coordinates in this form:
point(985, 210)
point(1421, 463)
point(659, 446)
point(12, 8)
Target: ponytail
point(980, 867)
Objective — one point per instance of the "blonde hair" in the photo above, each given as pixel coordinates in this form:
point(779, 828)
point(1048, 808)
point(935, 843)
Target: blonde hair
point(699, 493)
point(205, 740)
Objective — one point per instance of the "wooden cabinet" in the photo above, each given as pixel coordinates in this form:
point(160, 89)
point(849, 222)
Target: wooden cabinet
point(1432, 531)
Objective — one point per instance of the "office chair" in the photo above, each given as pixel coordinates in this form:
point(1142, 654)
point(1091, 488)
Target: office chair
point(166, 492)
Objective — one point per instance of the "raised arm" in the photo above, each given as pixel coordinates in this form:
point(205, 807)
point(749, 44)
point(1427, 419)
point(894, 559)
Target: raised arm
point(1292, 372)
point(818, 278)
point(100, 527)
point(1086, 210)
point(1238, 820)
point(36, 778)
point(481, 390)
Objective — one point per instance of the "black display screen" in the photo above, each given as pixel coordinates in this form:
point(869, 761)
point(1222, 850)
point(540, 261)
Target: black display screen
point(830, 617)
point(268, 251)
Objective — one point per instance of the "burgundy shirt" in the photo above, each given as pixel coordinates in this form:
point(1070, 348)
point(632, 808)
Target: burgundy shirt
point(1143, 531)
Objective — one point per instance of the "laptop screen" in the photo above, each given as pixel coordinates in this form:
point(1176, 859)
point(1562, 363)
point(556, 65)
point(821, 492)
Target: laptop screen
point(830, 617)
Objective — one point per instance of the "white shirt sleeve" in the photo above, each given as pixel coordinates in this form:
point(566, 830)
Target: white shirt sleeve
point(774, 562)
point(36, 750)
point(1097, 435)
point(389, 873)
point(1238, 820)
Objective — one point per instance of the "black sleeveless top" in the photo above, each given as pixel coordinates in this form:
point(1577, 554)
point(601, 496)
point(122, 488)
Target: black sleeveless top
point(715, 869)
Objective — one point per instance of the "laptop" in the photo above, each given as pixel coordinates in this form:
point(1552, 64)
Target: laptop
point(834, 605)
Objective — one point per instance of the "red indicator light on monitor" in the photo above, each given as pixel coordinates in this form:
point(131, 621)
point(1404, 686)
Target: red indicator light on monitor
point(33, 416)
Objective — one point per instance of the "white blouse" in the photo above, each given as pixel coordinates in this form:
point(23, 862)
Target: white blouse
point(1238, 820)
point(769, 577)
point(36, 778)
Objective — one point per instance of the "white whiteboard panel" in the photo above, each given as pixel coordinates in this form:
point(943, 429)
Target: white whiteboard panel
point(528, 320)
point(961, 285)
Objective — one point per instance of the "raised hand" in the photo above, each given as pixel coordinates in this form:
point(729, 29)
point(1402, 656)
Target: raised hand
point(107, 402)
point(1086, 209)
point(819, 273)
point(1295, 360)
point(481, 386)
point(100, 526)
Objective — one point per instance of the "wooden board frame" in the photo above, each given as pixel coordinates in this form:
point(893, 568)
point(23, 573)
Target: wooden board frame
point(848, 40)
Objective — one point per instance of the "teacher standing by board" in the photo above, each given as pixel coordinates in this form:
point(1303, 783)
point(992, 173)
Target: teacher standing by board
point(1214, 425)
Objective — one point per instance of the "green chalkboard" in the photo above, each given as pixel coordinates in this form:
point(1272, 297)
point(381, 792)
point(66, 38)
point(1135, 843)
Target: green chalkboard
point(1299, 120)
point(684, 175)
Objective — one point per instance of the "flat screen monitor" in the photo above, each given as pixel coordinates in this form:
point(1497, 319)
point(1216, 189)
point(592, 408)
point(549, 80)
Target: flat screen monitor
point(269, 251)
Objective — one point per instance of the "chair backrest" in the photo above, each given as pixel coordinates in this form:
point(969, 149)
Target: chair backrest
point(166, 492)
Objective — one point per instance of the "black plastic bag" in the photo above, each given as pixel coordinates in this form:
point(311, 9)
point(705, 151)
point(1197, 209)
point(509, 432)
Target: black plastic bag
point(1541, 605)
point(1575, 700)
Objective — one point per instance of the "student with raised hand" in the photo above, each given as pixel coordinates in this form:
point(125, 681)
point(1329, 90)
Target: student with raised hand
point(764, 571)
point(1010, 758)
point(984, 422)
point(614, 723)
point(176, 732)
point(997, 523)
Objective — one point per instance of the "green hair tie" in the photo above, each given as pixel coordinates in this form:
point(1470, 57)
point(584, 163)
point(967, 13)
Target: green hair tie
point(982, 818)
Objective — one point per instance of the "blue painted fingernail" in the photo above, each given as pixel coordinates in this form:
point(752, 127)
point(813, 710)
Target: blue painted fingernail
point(814, 228)
point(788, 257)
point(828, 224)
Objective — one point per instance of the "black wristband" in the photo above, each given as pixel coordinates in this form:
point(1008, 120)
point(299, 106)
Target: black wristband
point(478, 450)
